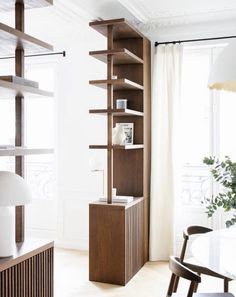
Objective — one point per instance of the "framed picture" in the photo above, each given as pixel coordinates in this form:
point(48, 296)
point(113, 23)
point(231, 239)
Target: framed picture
point(129, 132)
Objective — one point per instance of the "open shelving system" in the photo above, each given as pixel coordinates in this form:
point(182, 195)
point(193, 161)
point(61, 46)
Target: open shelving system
point(29, 272)
point(118, 239)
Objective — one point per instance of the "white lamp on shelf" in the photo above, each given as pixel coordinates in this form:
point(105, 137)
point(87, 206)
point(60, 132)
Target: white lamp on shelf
point(223, 73)
point(14, 191)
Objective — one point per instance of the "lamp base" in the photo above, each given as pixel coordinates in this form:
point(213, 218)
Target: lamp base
point(7, 231)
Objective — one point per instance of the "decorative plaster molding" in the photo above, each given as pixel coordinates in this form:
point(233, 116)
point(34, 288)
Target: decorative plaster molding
point(149, 20)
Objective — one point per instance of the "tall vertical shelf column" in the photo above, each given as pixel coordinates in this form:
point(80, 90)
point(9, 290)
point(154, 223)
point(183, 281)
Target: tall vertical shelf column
point(118, 233)
point(19, 116)
point(29, 272)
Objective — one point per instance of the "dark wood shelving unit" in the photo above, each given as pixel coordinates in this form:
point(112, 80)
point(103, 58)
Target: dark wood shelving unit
point(30, 271)
point(118, 233)
point(122, 29)
point(117, 112)
point(120, 56)
point(118, 84)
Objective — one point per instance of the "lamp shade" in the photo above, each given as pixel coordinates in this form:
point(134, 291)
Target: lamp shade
point(223, 73)
point(14, 190)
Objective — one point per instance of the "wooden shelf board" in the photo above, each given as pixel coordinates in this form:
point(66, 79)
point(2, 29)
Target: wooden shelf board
point(120, 56)
point(118, 84)
point(10, 90)
point(9, 5)
point(118, 147)
point(121, 29)
point(24, 250)
point(117, 112)
point(21, 151)
point(11, 38)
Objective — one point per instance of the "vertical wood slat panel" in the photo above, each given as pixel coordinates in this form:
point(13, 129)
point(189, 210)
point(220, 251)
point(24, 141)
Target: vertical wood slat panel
point(30, 278)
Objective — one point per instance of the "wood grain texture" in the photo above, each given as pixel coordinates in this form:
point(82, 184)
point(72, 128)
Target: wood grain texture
point(118, 84)
point(109, 116)
point(117, 112)
point(120, 56)
point(29, 272)
point(115, 246)
point(19, 120)
point(9, 5)
point(122, 29)
point(131, 167)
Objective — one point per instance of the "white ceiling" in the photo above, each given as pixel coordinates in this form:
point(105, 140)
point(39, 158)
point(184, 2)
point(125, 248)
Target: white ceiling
point(165, 18)
point(158, 19)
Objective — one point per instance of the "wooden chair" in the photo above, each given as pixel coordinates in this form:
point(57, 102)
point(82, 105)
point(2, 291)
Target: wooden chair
point(191, 263)
point(180, 270)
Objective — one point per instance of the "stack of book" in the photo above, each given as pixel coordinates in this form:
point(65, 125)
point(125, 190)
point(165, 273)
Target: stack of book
point(118, 199)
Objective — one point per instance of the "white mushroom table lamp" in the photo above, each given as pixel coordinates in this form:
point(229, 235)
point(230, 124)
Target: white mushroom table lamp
point(14, 191)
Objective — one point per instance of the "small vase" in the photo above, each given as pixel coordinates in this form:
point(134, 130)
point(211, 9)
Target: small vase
point(118, 135)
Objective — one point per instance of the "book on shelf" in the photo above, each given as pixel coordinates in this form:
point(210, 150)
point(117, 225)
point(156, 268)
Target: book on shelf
point(118, 199)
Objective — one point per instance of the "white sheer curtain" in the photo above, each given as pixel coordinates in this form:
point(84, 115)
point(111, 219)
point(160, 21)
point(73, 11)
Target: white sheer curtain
point(165, 171)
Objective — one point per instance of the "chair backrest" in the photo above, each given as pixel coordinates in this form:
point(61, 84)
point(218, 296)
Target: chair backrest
point(188, 231)
point(179, 270)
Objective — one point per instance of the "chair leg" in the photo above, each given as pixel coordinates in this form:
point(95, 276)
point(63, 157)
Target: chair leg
point(176, 283)
point(226, 285)
point(196, 285)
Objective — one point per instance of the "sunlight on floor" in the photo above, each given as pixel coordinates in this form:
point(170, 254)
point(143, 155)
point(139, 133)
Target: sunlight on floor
point(71, 279)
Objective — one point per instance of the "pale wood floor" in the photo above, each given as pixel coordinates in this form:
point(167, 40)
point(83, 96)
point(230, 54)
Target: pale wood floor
point(71, 279)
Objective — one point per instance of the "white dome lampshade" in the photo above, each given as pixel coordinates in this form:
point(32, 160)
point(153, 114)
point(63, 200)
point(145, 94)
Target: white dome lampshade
point(223, 72)
point(14, 191)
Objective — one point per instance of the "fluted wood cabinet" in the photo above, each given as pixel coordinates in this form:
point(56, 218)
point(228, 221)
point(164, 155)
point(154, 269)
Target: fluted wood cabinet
point(118, 239)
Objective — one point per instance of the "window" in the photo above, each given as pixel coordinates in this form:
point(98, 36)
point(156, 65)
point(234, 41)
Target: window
point(39, 128)
point(208, 126)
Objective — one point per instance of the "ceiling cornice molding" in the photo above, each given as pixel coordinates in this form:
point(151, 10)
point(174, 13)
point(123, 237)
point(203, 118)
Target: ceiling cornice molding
point(149, 20)
point(135, 10)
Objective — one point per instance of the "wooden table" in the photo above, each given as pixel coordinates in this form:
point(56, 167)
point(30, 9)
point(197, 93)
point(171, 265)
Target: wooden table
point(29, 272)
point(217, 251)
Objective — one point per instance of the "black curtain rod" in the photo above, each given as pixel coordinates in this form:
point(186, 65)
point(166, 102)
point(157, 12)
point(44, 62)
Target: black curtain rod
point(194, 40)
point(37, 55)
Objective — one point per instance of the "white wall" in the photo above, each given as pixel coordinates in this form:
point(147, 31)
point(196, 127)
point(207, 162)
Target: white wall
point(65, 218)
point(77, 185)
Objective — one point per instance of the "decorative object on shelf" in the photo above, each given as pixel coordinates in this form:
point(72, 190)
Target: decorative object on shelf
point(224, 172)
point(223, 74)
point(129, 132)
point(14, 191)
point(121, 103)
point(118, 135)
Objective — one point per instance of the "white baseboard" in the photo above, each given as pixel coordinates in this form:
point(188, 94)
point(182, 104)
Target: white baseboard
point(41, 233)
point(81, 244)
point(76, 244)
